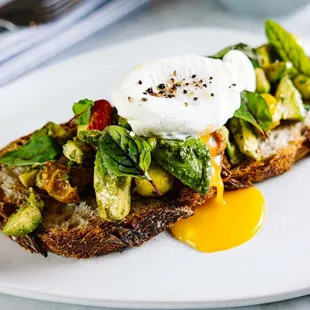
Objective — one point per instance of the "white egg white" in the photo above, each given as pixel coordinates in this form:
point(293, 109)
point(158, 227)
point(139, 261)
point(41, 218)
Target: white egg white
point(183, 96)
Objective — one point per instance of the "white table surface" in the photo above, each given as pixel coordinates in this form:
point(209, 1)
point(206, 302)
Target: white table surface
point(160, 15)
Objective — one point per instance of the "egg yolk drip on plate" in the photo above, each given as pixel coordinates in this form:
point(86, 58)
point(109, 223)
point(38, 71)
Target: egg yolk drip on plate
point(226, 221)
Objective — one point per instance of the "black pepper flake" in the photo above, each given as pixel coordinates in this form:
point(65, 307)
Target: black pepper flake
point(234, 84)
point(186, 84)
point(229, 87)
point(205, 85)
point(184, 91)
point(174, 73)
point(150, 91)
point(186, 104)
point(139, 82)
point(162, 92)
point(172, 79)
point(193, 76)
point(170, 96)
point(195, 98)
point(212, 94)
point(144, 93)
point(161, 86)
point(200, 81)
point(129, 99)
point(144, 99)
point(210, 82)
point(211, 78)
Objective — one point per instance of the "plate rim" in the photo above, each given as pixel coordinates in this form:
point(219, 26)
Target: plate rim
point(130, 304)
point(153, 305)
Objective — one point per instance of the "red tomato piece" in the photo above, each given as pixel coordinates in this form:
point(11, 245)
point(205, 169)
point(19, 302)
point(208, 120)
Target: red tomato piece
point(101, 115)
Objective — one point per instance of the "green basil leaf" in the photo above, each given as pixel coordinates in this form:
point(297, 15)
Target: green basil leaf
point(247, 50)
point(39, 149)
point(254, 110)
point(82, 108)
point(189, 161)
point(123, 153)
point(287, 47)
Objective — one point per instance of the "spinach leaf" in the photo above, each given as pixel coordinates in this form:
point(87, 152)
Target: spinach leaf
point(287, 47)
point(187, 160)
point(247, 50)
point(254, 110)
point(82, 109)
point(39, 149)
point(125, 154)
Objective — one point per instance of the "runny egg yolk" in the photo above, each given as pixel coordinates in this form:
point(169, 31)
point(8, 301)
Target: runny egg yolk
point(226, 221)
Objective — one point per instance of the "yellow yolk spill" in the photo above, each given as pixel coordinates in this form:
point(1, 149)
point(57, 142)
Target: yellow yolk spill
point(224, 222)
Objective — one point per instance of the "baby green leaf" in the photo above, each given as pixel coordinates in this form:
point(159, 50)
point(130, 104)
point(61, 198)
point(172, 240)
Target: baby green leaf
point(255, 110)
point(39, 149)
point(247, 50)
point(123, 153)
point(82, 109)
point(287, 47)
point(188, 160)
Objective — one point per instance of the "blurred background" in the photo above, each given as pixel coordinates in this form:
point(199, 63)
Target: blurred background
point(34, 33)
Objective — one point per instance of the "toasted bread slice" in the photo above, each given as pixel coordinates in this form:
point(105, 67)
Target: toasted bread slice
point(284, 146)
point(77, 231)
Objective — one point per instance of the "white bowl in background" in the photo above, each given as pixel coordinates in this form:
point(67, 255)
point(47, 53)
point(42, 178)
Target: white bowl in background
point(264, 8)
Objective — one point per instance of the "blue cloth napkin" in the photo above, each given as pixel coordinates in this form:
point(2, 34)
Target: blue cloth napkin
point(24, 49)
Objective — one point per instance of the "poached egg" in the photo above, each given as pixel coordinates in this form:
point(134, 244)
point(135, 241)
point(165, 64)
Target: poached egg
point(193, 95)
point(183, 96)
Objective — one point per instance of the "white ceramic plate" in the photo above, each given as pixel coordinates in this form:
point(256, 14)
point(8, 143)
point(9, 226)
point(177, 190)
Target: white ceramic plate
point(163, 273)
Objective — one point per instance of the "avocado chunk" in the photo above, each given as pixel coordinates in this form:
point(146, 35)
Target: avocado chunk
point(152, 142)
point(262, 83)
point(90, 136)
point(302, 83)
point(25, 220)
point(28, 178)
point(232, 151)
point(274, 108)
point(77, 151)
point(161, 177)
point(276, 71)
point(59, 132)
point(22, 222)
point(245, 137)
point(266, 54)
point(34, 200)
point(112, 192)
point(291, 104)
